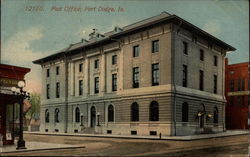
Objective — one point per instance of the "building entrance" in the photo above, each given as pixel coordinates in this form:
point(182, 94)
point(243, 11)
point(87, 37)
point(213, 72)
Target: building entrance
point(92, 117)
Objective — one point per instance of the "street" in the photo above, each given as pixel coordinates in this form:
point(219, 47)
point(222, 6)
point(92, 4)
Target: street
point(233, 146)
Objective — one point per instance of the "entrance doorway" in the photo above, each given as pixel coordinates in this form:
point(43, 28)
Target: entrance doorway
point(202, 121)
point(202, 117)
point(92, 117)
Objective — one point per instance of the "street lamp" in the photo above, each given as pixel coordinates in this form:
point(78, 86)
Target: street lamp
point(23, 95)
point(98, 118)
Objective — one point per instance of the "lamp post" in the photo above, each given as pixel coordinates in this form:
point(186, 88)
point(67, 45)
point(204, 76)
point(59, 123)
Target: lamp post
point(98, 118)
point(23, 95)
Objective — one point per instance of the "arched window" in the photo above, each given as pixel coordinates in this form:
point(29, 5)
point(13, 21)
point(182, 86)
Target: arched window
point(57, 115)
point(154, 111)
point(46, 116)
point(77, 115)
point(185, 112)
point(216, 115)
point(110, 113)
point(134, 112)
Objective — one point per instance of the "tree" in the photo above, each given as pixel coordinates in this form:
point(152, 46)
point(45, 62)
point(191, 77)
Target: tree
point(35, 101)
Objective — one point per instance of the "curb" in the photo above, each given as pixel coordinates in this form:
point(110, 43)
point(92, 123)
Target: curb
point(173, 138)
point(26, 150)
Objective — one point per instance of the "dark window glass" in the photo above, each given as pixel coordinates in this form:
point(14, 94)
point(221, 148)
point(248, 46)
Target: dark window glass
point(239, 100)
point(231, 100)
point(215, 60)
point(249, 101)
point(48, 91)
point(114, 59)
point(114, 82)
point(185, 48)
point(97, 85)
point(57, 70)
point(155, 74)
point(155, 46)
point(57, 89)
point(77, 115)
point(48, 72)
point(96, 63)
point(243, 84)
point(136, 77)
point(242, 100)
point(136, 51)
point(57, 115)
point(184, 75)
point(215, 83)
point(185, 112)
point(216, 115)
point(201, 55)
point(47, 116)
point(134, 112)
point(80, 67)
point(239, 84)
point(249, 84)
point(80, 87)
point(231, 85)
point(201, 87)
point(154, 111)
point(110, 113)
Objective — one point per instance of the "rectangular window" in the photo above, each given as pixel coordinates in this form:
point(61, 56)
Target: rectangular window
point(215, 84)
point(231, 85)
point(249, 84)
point(136, 77)
point(96, 63)
point(185, 48)
point(48, 91)
point(215, 60)
point(80, 87)
point(239, 99)
point(243, 84)
point(114, 82)
point(184, 75)
point(201, 55)
point(96, 84)
point(201, 87)
point(155, 74)
point(239, 84)
point(249, 101)
point(80, 67)
point(242, 100)
point(155, 46)
point(136, 51)
point(231, 101)
point(114, 59)
point(47, 72)
point(57, 70)
point(57, 90)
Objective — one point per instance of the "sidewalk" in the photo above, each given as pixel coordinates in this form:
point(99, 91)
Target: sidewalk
point(36, 146)
point(177, 138)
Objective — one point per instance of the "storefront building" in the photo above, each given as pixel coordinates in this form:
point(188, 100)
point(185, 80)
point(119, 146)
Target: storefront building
point(237, 90)
point(9, 102)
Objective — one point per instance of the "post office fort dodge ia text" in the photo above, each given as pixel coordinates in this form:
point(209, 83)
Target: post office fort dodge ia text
point(161, 75)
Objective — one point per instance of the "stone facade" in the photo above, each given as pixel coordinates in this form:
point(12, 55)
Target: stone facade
point(84, 62)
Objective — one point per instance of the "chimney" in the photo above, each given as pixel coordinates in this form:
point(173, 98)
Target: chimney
point(226, 61)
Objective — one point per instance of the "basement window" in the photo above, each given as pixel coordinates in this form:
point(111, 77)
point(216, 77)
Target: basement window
point(76, 131)
point(109, 131)
point(133, 132)
point(153, 133)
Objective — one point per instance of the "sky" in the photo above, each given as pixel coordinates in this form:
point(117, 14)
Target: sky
point(32, 29)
